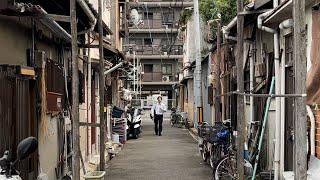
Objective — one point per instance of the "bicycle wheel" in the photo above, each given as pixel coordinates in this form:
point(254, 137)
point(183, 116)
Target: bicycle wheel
point(215, 155)
point(204, 153)
point(226, 169)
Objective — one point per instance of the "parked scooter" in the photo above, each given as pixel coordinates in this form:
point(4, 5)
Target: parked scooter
point(7, 166)
point(133, 123)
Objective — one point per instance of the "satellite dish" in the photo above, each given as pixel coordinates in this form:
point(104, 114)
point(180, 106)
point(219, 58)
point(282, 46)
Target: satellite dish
point(135, 17)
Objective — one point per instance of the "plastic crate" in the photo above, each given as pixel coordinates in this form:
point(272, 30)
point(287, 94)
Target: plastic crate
point(95, 175)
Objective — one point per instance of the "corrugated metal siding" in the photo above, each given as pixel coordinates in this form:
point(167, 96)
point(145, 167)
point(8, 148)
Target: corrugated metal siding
point(15, 115)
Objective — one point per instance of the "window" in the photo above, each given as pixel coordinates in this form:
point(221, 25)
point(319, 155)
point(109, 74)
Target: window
point(167, 69)
point(136, 41)
point(167, 18)
point(157, 68)
point(148, 68)
point(148, 15)
point(148, 41)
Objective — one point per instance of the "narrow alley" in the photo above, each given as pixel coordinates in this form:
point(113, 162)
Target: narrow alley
point(87, 86)
point(174, 155)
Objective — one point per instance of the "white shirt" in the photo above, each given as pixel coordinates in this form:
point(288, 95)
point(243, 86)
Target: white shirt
point(159, 108)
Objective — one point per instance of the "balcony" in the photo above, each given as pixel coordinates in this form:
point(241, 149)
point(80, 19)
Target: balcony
point(157, 51)
point(155, 78)
point(162, 3)
point(151, 25)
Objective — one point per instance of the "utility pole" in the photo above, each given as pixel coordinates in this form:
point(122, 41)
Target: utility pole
point(101, 90)
point(300, 59)
point(218, 85)
point(75, 93)
point(240, 99)
point(197, 71)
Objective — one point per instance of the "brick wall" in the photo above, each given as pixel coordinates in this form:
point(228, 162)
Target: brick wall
point(316, 112)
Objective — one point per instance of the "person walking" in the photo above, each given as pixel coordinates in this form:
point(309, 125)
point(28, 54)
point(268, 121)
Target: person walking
point(156, 114)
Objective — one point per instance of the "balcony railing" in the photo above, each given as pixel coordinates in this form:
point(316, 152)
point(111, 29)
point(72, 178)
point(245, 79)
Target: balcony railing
point(158, 77)
point(156, 49)
point(153, 24)
point(149, 24)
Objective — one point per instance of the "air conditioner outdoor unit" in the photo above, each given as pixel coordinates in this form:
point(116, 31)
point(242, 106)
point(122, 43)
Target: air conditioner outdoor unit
point(166, 78)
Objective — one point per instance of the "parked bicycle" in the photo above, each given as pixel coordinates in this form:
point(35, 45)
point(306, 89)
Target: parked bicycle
point(213, 142)
point(178, 119)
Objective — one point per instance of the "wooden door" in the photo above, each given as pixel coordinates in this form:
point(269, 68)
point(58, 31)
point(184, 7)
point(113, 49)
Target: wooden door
point(289, 104)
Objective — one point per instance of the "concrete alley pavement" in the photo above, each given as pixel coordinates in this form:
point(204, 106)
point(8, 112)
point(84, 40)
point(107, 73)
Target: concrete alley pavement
point(172, 156)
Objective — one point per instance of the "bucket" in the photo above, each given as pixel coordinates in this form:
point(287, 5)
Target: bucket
point(115, 138)
point(94, 175)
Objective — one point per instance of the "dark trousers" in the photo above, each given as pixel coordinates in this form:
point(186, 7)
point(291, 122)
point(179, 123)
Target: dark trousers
point(158, 119)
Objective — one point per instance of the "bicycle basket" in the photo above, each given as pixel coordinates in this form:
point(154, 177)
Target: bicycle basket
point(204, 130)
point(220, 133)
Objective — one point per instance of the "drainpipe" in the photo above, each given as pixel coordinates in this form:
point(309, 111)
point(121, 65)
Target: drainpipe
point(226, 30)
point(277, 90)
point(284, 25)
point(88, 12)
point(312, 130)
point(113, 68)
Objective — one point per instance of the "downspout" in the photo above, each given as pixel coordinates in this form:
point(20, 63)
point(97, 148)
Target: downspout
point(88, 12)
point(284, 25)
point(312, 130)
point(113, 68)
point(226, 30)
point(89, 105)
point(277, 90)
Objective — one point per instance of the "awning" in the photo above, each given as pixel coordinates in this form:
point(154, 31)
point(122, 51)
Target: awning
point(284, 12)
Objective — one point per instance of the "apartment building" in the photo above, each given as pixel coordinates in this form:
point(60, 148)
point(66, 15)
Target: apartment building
point(149, 29)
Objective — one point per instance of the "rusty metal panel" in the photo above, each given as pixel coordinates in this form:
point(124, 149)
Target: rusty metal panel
point(54, 102)
point(55, 79)
point(15, 115)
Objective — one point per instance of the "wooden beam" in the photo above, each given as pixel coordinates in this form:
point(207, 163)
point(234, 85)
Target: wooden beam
point(300, 60)
point(89, 124)
point(75, 93)
point(240, 99)
point(59, 18)
point(101, 89)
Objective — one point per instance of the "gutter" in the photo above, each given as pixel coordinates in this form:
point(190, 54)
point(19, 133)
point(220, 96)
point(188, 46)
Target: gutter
point(88, 12)
point(44, 19)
